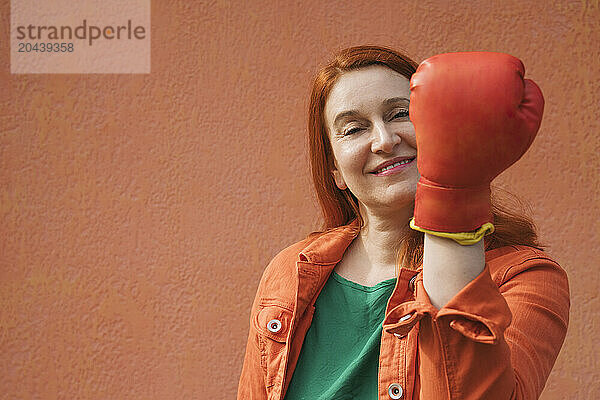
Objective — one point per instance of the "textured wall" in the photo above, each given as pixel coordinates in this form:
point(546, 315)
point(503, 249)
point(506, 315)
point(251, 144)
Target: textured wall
point(137, 212)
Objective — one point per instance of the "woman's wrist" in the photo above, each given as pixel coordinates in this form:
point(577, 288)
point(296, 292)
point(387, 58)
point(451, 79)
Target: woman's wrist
point(449, 266)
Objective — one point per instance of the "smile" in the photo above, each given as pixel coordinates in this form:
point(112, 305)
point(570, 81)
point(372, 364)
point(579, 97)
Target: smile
point(390, 169)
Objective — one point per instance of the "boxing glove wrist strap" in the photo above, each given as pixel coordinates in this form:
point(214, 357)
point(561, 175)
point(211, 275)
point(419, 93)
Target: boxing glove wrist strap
point(463, 238)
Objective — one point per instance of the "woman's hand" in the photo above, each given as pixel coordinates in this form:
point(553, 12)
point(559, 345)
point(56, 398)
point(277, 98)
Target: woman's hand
point(474, 116)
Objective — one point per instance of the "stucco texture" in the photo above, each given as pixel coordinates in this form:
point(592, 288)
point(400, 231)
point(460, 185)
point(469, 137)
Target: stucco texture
point(137, 212)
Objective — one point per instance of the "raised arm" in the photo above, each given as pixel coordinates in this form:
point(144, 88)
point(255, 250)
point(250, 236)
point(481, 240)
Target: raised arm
point(475, 116)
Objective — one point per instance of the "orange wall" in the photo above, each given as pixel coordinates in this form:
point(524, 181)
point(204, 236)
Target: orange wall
point(137, 212)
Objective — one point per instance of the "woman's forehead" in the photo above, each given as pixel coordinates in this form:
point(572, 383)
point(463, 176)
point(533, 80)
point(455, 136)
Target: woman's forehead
point(372, 85)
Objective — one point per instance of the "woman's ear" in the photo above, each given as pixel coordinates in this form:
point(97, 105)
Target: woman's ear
point(339, 179)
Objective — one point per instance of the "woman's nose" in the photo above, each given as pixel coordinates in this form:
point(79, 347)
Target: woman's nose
point(384, 138)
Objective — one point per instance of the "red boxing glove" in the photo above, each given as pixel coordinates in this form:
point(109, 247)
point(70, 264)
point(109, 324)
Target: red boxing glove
point(474, 117)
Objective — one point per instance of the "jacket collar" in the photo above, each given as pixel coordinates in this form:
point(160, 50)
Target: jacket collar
point(330, 246)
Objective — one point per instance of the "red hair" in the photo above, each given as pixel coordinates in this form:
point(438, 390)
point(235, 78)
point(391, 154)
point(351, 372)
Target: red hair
point(340, 207)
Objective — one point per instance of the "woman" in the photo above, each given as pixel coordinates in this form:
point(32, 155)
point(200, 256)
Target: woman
point(419, 286)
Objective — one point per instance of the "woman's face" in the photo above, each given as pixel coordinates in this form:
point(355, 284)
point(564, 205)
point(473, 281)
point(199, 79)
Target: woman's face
point(366, 115)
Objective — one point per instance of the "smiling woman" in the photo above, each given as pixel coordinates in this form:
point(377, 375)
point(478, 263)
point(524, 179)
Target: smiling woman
point(421, 284)
point(373, 140)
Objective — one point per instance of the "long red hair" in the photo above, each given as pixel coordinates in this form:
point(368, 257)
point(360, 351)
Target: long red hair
point(340, 207)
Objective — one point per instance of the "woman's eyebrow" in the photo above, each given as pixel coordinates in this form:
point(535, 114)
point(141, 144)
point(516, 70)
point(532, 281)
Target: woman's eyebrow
point(396, 100)
point(344, 114)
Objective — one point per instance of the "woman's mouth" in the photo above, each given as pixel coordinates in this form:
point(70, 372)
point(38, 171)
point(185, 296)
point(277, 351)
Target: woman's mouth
point(396, 167)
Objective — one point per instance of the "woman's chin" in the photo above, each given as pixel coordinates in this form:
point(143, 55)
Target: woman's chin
point(400, 201)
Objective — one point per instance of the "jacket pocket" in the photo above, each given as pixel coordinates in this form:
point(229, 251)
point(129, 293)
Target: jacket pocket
point(273, 322)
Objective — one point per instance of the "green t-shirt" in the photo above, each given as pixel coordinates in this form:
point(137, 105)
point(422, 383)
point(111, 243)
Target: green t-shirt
point(340, 355)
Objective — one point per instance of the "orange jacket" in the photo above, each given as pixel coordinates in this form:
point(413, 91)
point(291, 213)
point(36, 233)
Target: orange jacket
point(498, 338)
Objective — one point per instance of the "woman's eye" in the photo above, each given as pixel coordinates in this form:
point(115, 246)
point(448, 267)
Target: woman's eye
point(401, 114)
point(351, 131)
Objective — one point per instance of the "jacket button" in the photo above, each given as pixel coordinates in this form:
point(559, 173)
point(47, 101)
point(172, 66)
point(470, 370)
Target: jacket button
point(407, 316)
point(395, 391)
point(274, 325)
